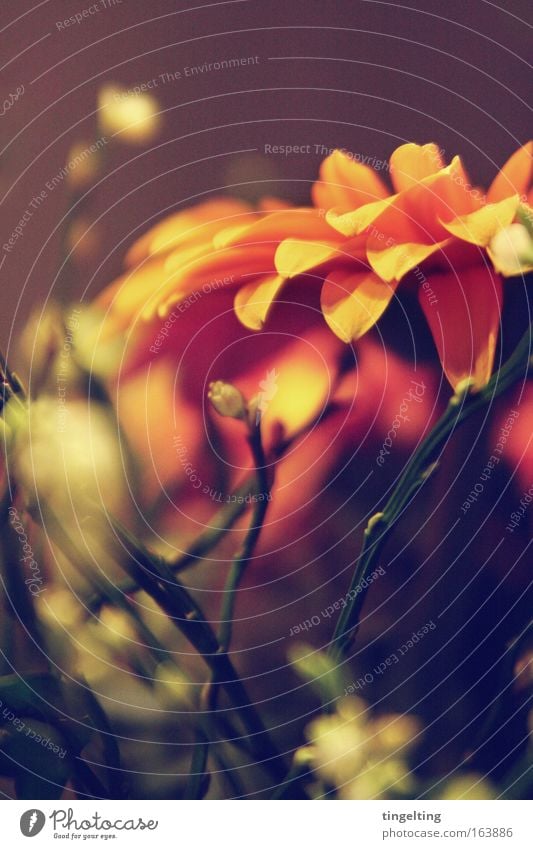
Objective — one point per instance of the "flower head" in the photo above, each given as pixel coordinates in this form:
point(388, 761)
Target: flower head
point(435, 229)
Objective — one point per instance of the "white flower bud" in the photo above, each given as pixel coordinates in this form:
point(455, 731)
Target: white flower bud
point(227, 399)
point(511, 250)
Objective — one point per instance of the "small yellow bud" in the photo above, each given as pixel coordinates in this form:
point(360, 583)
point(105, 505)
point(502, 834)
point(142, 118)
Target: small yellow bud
point(227, 399)
point(132, 116)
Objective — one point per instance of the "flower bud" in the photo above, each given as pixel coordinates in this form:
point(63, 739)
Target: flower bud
point(133, 116)
point(511, 250)
point(227, 399)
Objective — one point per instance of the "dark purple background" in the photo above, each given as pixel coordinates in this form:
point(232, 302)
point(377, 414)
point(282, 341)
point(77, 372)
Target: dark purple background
point(380, 73)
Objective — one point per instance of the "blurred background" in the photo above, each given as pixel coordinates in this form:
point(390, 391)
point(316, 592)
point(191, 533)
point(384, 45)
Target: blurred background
point(364, 75)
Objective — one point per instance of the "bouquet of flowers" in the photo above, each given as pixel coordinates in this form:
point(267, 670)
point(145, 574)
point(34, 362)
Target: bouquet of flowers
point(226, 487)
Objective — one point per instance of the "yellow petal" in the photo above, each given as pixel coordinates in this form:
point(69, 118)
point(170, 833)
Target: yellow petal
point(297, 256)
point(190, 227)
point(412, 163)
point(480, 226)
point(409, 230)
point(352, 303)
point(396, 261)
point(254, 301)
point(304, 223)
point(346, 183)
point(138, 292)
point(355, 222)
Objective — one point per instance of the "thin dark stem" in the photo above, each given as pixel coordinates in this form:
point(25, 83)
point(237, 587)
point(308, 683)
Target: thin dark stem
point(235, 576)
point(222, 521)
point(461, 406)
point(245, 553)
point(423, 463)
point(155, 577)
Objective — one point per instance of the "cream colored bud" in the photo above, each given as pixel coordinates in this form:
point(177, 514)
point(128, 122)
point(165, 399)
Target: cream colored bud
point(511, 250)
point(133, 117)
point(41, 338)
point(227, 399)
point(394, 732)
point(59, 608)
point(115, 630)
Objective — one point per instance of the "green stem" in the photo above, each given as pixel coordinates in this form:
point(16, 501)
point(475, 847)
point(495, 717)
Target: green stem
point(221, 522)
point(245, 553)
point(155, 577)
point(462, 405)
point(236, 574)
point(110, 594)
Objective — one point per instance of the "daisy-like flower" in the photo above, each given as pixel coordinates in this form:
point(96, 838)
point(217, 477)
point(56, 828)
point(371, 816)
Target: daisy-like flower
point(359, 241)
point(435, 228)
point(220, 244)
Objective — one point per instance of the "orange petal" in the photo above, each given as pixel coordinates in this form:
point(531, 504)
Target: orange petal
point(273, 204)
point(464, 317)
point(481, 226)
point(302, 223)
point(212, 271)
point(410, 228)
point(412, 163)
point(189, 227)
point(210, 263)
point(352, 303)
point(254, 301)
point(357, 220)
point(345, 183)
point(515, 176)
point(137, 293)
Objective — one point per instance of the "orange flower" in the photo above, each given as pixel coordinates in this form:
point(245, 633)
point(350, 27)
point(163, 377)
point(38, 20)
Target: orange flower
point(174, 273)
point(220, 244)
point(435, 226)
point(435, 229)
